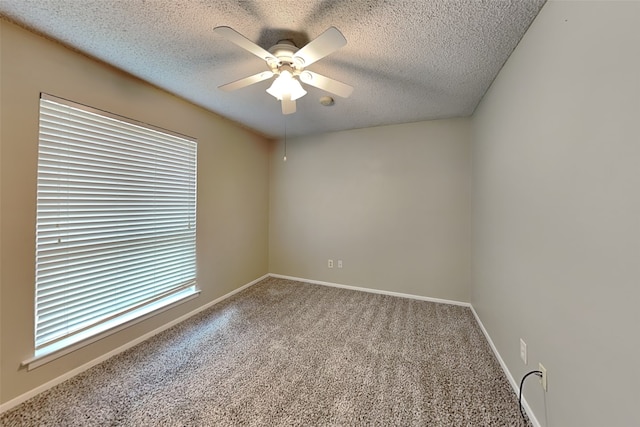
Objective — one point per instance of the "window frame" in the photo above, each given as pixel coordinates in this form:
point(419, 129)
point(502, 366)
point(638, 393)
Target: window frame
point(178, 294)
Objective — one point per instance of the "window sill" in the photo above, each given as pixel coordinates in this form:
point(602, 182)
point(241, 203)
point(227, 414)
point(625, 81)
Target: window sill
point(71, 344)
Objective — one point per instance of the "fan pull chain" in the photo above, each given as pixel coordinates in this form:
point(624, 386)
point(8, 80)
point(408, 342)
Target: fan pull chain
point(284, 159)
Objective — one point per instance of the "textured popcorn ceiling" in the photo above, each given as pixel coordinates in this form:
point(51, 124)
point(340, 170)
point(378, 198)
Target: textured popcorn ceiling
point(407, 60)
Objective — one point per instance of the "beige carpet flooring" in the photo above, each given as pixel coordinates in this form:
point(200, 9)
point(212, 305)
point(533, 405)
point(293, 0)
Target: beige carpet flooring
point(284, 353)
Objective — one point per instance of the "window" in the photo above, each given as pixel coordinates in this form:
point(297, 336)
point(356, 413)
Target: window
point(116, 222)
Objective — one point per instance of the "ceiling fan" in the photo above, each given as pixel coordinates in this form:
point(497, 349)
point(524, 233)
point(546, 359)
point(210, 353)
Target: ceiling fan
point(289, 63)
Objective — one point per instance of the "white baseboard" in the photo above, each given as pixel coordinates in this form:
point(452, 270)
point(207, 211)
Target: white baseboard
point(372, 291)
point(512, 381)
point(46, 386)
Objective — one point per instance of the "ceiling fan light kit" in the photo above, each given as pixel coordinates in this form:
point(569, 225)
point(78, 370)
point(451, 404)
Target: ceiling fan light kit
point(286, 84)
point(289, 63)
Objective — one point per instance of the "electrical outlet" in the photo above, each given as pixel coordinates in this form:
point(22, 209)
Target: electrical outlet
point(339, 263)
point(523, 351)
point(543, 378)
point(330, 263)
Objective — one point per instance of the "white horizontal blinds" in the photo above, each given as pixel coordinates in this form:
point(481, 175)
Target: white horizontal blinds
point(116, 218)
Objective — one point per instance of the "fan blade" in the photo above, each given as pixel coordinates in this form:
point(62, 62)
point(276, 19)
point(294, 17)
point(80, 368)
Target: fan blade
point(288, 106)
point(326, 43)
point(238, 84)
point(325, 83)
point(237, 38)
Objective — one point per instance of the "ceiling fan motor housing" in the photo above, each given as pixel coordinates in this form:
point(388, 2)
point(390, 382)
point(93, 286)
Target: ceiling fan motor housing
point(285, 50)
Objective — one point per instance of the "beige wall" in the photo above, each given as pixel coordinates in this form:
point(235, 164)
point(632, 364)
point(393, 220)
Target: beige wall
point(392, 202)
point(557, 212)
point(232, 239)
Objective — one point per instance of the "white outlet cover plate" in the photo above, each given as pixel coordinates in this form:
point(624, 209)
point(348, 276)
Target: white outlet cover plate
point(523, 351)
point(543, 379)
